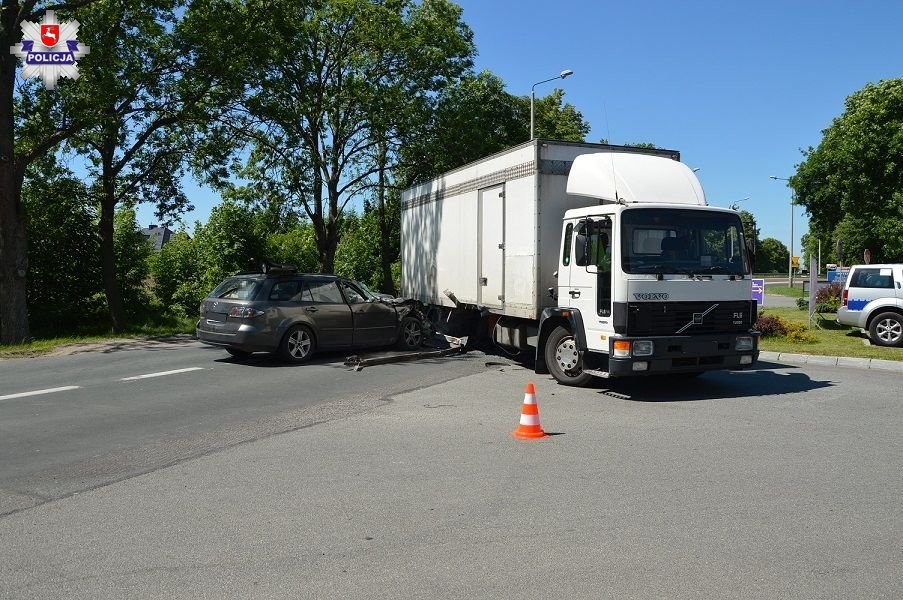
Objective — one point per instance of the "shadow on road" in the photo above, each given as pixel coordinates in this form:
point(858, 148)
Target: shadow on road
point(763, 381)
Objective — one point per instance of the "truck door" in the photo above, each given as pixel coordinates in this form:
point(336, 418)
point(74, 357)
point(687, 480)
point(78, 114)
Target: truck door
point(491, 288)
point(590, 285)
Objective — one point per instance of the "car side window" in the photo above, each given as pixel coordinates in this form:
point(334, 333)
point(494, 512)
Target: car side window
point(323, 292)
point(284, 291)
point(873, 278)
point(354, 295)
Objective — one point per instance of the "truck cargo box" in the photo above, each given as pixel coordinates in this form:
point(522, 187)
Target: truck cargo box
point(488, 234)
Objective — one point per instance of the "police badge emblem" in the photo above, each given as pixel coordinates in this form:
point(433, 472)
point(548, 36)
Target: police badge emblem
point(37, 49)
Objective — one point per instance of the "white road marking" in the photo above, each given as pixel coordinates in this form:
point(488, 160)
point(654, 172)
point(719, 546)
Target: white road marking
point(38, 392)
point(162, 373)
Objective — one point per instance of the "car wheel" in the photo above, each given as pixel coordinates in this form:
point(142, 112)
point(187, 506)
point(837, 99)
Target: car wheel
point(887, 329)
point(297, 344)
point(563, 360)
point(238, 354)
point(411, 335)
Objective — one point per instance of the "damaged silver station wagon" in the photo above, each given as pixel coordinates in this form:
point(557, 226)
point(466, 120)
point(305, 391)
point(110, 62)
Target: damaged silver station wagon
point(295, 314)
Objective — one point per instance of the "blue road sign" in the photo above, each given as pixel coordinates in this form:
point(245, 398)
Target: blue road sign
point(758, 291)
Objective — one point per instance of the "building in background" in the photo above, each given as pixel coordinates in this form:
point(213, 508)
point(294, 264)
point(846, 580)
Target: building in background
point(158, 236)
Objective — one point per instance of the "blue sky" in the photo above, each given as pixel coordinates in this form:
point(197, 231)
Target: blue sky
point(738, 88)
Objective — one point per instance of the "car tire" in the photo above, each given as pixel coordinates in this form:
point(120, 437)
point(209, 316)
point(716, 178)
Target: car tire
point(562, 359)
point(297, 345)
point(238, 354)
point(887, 330)
point(410, 334)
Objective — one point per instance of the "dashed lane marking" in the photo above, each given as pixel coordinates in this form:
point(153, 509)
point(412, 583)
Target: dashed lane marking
point(162, 373)
point(39, 392)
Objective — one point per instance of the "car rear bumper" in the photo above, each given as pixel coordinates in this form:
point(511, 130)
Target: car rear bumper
point(851, 318)
point(245, 338)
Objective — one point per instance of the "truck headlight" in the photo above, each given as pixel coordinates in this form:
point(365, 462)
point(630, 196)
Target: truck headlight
point(744, 343)
point(643, 348)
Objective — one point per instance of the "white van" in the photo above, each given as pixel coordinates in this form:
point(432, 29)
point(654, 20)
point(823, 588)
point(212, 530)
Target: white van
point(873, 300)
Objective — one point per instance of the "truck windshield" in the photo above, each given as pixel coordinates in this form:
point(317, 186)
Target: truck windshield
point(673, 240)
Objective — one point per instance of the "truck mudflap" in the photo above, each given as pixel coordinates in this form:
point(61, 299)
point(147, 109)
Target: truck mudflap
point(686, 354)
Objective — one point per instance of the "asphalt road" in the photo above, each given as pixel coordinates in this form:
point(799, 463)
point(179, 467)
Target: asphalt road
point(110, 426)
point(780, 482)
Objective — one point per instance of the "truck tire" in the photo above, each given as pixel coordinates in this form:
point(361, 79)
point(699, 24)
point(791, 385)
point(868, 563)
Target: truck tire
point(562, 359)
point(297, 345)
point(887, 330)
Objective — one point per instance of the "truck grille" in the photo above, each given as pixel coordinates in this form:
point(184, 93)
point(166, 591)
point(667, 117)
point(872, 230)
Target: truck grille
point(688, 318)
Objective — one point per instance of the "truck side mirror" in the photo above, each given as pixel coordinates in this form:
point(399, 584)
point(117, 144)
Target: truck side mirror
point(750, 258)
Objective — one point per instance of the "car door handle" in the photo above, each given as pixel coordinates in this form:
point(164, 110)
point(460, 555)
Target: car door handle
point(311, 308)
point(574, 293)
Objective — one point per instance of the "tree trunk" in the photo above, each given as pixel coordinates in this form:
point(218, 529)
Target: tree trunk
point(385, 261)
point(111, 287)
point(13, 236)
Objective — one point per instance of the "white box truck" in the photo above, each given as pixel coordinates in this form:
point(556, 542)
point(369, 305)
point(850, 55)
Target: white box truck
point(605, 259)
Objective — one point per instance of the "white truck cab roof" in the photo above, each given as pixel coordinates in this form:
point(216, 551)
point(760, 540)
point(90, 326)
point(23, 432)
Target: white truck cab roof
point(627, 178)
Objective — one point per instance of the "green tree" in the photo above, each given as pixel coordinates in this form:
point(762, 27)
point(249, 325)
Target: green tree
point(556, 120)
point(131, 251)
point(328, 63)
point(772, 256)
point(23, 109)
point(146, 109)
point(852, 183)
point(64, 270)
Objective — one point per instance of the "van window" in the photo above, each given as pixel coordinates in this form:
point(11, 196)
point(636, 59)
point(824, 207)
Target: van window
point(872, 278)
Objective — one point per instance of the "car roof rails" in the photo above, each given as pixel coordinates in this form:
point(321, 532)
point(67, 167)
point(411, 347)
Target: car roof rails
point(269, 267)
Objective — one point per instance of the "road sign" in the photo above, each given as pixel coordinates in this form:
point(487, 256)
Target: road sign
point(795, 262)
point(758, 291)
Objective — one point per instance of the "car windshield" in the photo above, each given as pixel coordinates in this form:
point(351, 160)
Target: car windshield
point(369, 293)
point(236, 288)
point(694, 242)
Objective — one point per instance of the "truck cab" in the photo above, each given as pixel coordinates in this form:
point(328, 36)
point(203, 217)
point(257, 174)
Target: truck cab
point(648, 287)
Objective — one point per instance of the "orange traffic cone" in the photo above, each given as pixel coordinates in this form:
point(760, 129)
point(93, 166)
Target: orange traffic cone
point(529, 427)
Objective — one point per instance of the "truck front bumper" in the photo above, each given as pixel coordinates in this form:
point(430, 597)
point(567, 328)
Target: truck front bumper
point(685, 354)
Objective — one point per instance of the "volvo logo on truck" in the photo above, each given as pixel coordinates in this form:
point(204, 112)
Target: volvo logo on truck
point(697, 318)
point(651, 296)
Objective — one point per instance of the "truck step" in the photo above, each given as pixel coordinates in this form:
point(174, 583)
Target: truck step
point(596, 373)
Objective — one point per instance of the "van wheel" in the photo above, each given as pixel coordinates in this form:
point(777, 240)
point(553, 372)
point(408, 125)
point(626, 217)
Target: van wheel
point(297, 344)
point(887, 329)
point(563, 360)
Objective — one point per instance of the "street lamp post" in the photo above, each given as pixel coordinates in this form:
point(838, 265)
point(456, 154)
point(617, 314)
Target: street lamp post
point(562, 75)
point(792, 202)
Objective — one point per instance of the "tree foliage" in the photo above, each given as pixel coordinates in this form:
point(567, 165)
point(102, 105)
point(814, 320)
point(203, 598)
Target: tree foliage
point(772, 256)
point(852, 183)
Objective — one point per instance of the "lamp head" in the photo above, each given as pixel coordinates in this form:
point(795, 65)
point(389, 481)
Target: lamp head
point(566, 73)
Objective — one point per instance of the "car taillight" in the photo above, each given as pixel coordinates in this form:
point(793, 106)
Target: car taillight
point(845, 297)
point(245, 312)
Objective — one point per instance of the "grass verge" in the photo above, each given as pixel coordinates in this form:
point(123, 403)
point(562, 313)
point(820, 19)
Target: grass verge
point(831, 339)
point(44, 343)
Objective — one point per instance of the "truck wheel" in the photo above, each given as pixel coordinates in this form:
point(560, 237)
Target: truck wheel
point(887, 330)
point(297, 344)
point(410, 337)
point(563, 360)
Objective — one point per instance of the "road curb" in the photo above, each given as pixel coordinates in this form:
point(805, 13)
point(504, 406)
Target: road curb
point(833, 361)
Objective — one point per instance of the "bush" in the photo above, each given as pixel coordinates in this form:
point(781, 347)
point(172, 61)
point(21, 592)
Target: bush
point(771, 325)
point(827, 299)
